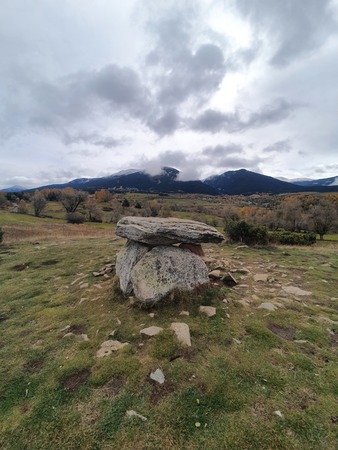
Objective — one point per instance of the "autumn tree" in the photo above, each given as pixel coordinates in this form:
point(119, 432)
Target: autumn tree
point(94, 212)
point(71, 199)
point(103, 196)
point(22, 207)
point(39, 203)
point(324, 217)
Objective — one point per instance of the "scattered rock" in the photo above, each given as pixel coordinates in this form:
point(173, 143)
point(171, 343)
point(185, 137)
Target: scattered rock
point(261, 277)
point(84, 285)
point(279, 414)
point(108, 347)
point(152, 315)
point(151, 331)
point(210, 311)
point(68, 335)
point(164, 269)
point(285, 333)
point(132, 413)
point(268, 306)
point(255, 297)
point(229, 280)
point(241, 246)
point(164, 231)
point(105, 270)
point(300, 341)
point(184, 313)
point(294, 290)
point(237, 341)
point(182, 332)
point(157, 376)
point(84, 337)
point(216, 274)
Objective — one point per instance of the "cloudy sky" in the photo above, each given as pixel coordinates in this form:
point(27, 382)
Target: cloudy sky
point(90, 88)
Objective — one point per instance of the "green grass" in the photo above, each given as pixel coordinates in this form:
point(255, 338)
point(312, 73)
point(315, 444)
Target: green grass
point(222, 393)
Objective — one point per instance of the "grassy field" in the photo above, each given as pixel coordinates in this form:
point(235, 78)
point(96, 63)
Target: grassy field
point(253, 379)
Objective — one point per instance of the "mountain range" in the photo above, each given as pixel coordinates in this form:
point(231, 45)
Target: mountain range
point(233, 182)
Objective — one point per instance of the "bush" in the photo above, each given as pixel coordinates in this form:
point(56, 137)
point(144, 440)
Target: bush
point(292, 238)
point(242, 231)
point(75, 217)
point(1, 235)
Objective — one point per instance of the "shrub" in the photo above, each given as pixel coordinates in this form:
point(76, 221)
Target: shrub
point(292, 238)
point(242, 231)
point(75, 217)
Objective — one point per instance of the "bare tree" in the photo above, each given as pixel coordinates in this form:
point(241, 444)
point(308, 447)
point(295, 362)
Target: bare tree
point(39, 203)
point(71, 199)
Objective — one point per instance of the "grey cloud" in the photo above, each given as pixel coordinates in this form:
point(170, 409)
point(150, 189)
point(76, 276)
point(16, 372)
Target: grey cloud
point(165, 124)
point(214, 121)
point(93, 139)
point(219, 151)
point(295, 27)
point(280, 146)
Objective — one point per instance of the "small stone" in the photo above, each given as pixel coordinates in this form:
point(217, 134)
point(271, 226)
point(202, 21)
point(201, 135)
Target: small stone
point(279, 414)
point(151, 331)
point(68, 335)
point(132, 413)
point(261, 277)
point(255, 297)
point(228, 315)
point(182, 332)
point(237, 341)
point(112, 334)
point(84, 337)
point(97, 274)
point(300, 341)
point(210, 311)
point(268, 306)
point(65, 328)
point(294, 290)
point(157, 376)
point(108, 347)
point(225, 301)
point(152, 315)
point(84, 285)
point(229, 280)
point(215, 274)
point(184, 313)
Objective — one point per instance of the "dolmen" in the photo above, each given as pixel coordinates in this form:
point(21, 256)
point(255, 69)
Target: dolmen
point(162, 255)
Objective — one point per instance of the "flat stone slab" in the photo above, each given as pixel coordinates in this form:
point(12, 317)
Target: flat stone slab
point(294, 290)
point(158, 376)
point(182, 332)
point(210, 311)
point(108, 347)
point(261, 277)
point(165, 231)
point(268, 306)
point(151, 331)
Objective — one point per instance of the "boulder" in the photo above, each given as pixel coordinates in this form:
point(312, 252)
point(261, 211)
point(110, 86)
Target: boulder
point(165, 231)
point(164, 269)
point(130, 254)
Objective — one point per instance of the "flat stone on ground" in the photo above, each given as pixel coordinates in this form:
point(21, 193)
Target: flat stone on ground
point(294, 290)
point(210, 311)
point(182, 332)
point(108, 347)
point(261, 277)
point(165, 231)
point(268, 306)
point(158, 376)
point(151, 331)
